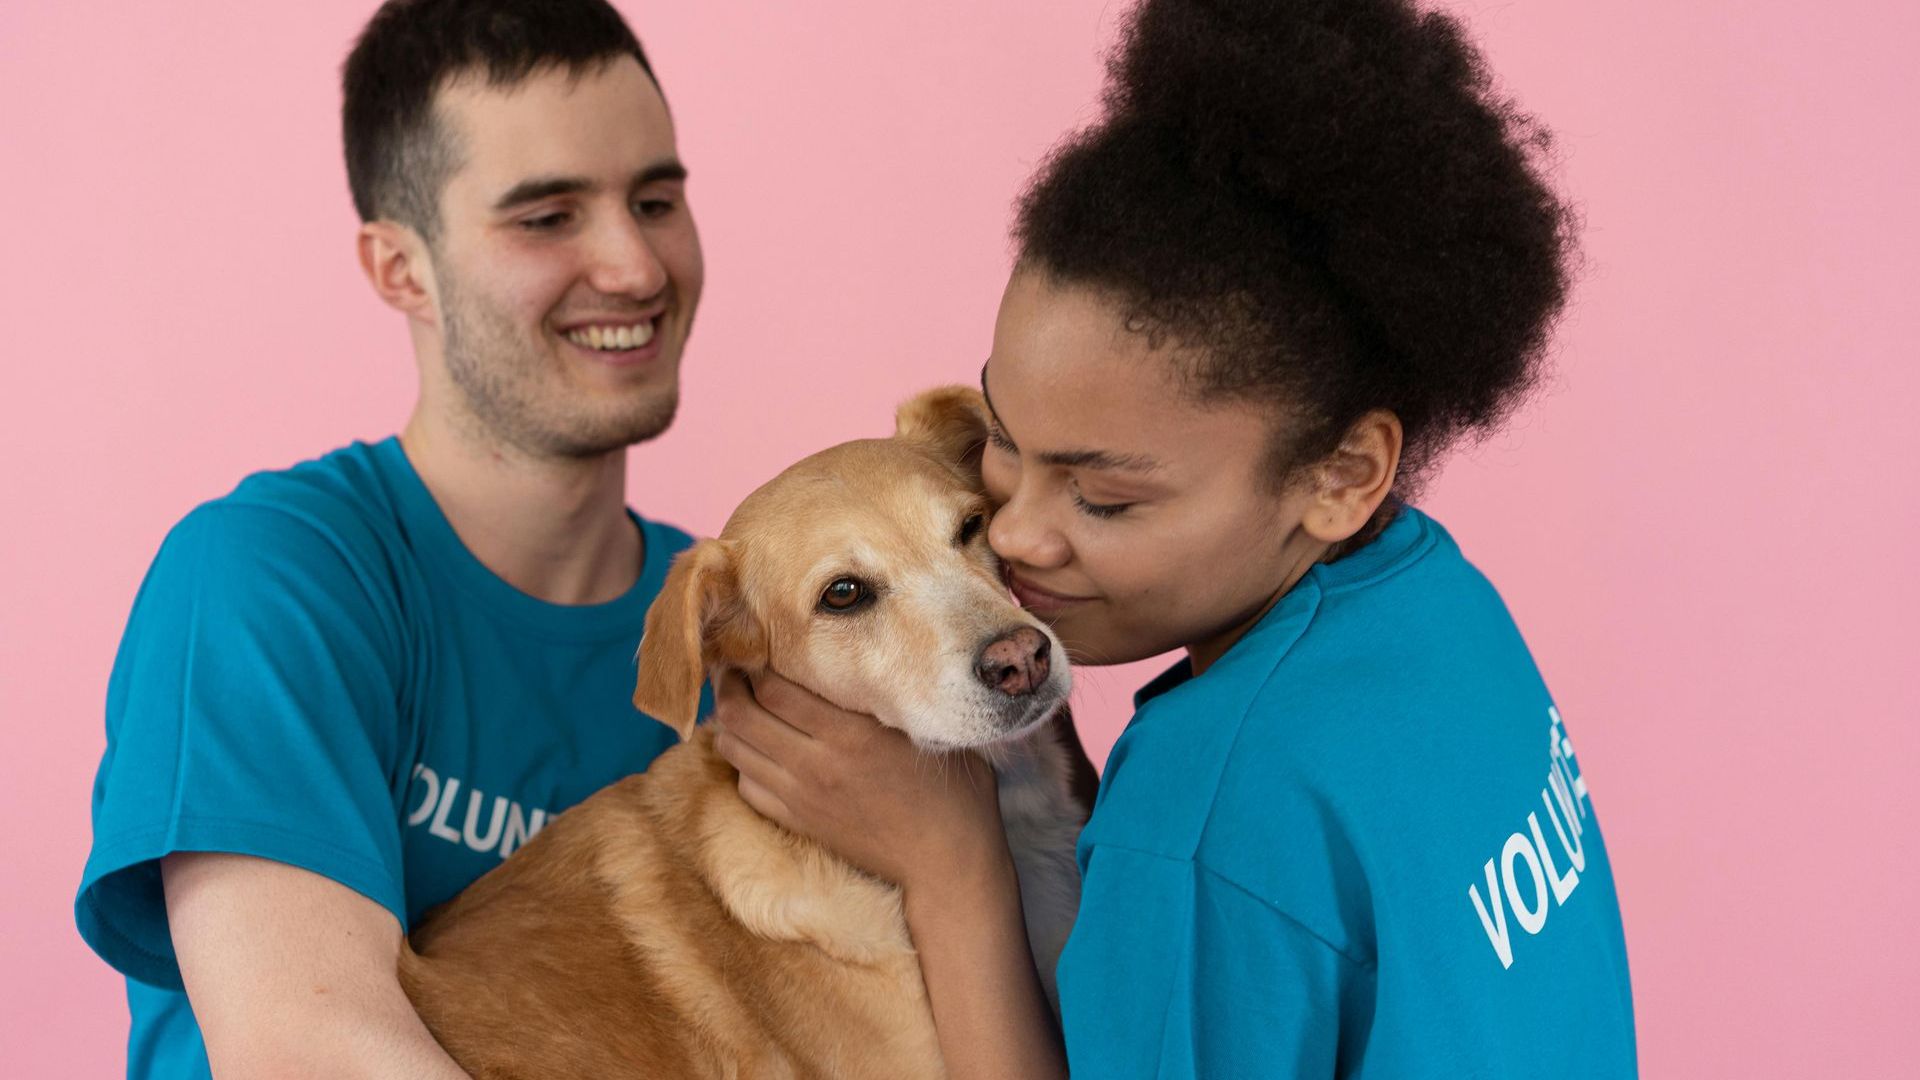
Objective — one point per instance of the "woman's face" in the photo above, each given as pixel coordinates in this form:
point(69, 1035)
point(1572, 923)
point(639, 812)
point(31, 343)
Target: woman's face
point(1132, 518)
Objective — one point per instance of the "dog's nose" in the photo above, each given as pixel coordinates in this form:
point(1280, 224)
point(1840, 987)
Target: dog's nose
point(1016, 662)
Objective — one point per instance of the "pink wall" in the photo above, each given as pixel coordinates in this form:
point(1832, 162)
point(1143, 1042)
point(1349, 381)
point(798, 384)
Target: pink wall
point(1705, 527)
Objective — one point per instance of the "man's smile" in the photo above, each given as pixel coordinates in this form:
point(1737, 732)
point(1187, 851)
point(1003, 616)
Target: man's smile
point(613, 336)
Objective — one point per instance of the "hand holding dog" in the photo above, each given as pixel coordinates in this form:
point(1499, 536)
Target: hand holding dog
point(924, 821)
point(929, 823)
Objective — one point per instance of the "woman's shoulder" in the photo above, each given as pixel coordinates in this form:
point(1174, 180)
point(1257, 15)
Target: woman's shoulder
point(1397, 637)
point(1372, 702)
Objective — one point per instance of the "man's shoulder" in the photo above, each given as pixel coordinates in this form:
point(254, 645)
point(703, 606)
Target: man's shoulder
point(669, 540)
point(341, 505)
point(350, 486)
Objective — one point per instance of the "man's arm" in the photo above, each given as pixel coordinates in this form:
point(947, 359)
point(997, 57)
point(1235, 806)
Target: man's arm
point(291, 974)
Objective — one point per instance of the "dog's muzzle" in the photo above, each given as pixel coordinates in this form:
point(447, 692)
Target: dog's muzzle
point(1015, 663)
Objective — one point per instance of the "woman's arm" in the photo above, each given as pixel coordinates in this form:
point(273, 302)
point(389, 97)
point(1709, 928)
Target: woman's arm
point(988, 1006)
point(930, 826)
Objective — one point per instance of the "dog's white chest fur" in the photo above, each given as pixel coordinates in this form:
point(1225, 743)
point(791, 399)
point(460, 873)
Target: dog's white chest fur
point(1043, 825)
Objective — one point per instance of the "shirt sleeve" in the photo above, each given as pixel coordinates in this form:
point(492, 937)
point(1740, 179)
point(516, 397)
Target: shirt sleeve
point(1174, 973)
point(253, 708)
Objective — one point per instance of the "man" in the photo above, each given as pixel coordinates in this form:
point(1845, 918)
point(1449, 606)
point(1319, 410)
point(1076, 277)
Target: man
point(348, 689)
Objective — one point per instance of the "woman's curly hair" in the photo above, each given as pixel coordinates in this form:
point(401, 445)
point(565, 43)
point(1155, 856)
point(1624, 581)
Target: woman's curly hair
point(1326, 200)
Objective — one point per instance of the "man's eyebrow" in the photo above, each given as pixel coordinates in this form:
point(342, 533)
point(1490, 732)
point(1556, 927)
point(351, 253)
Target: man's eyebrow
point(546, 187)
point(541, 187)
point(1078, 459)
point(663, 170)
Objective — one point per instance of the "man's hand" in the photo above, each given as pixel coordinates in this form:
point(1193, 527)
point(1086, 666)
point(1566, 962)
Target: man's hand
point(291, 974)
point(920, 820)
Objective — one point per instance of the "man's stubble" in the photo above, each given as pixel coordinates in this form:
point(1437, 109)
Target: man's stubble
point(513, 389)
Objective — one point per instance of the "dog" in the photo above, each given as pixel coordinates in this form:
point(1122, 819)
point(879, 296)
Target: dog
point(663, 928)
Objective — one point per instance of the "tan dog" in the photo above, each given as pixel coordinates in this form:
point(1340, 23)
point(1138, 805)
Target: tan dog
point(662, 928)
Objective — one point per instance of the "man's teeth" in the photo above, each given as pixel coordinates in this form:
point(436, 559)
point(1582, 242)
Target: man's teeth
point(612, 337)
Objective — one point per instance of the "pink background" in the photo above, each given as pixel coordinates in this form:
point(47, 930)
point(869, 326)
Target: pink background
point(1705, 526)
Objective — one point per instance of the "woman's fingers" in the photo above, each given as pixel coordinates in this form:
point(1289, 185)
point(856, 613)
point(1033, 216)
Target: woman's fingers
point(859, 788)
point(765, 802)
point(749, 761)
point(804, 710)
point(736, 711)
point(761, 776)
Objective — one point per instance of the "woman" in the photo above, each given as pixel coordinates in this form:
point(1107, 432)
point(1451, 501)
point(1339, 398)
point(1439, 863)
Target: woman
point(1303, 253)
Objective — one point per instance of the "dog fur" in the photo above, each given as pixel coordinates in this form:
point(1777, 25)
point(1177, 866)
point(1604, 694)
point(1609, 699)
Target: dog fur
point(662, 928)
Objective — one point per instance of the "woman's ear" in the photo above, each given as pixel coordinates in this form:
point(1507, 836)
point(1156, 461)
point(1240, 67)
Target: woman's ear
point(696, 624)
point(1355, 479)
point(951, 421)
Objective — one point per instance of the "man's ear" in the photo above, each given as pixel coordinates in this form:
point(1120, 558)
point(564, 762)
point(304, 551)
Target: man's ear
point(951, 421)
point(697, 622)
point(394, 258)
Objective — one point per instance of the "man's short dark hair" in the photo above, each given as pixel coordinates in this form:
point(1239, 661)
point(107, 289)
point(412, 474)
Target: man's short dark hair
point(399, 154)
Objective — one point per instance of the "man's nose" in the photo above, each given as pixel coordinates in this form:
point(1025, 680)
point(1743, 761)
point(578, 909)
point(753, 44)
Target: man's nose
point(625, 263)
point(1016, 662)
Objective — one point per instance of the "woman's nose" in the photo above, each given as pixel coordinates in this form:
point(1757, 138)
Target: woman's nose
point(1019, 536)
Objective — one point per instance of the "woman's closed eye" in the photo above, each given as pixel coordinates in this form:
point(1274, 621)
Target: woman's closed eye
point(997, 437)
point(1097, 510)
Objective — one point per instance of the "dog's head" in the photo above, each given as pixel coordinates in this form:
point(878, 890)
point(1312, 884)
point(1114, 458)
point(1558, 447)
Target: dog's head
point(863, 574)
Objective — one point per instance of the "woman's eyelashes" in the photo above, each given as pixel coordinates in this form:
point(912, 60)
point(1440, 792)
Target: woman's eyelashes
point(1097, 510)
point(1102, 511)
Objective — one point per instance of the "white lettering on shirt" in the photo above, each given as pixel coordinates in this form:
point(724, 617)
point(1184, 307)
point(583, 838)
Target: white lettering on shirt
point(1564, 796)
point(509, 825)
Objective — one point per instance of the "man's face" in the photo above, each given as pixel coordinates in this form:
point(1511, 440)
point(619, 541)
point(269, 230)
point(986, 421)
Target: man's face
point(567, 265)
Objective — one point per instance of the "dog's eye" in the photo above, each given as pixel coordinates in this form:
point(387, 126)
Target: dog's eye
point(845, 594)
point(969, 529)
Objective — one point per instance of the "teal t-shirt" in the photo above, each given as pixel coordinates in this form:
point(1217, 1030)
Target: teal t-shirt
point(1359, 845)
point(317, 671)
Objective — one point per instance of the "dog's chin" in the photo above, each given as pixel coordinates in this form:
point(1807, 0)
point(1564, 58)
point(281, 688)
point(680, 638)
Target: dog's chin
point(1003, 722)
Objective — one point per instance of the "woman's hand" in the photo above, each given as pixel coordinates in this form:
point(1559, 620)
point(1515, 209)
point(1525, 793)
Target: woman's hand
point(924, 821)
point(929, 823)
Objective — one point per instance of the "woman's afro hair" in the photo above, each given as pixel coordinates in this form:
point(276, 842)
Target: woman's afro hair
point(1325, 200)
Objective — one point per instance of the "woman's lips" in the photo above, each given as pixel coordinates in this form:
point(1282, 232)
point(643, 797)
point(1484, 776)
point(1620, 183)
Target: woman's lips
point(1039, 600)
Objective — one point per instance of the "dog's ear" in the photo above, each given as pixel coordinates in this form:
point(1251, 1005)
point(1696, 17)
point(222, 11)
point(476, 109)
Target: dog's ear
point(951, 421)
point(697, 622)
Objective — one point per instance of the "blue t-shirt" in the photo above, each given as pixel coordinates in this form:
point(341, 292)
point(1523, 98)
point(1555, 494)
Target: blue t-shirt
point(1359, 845)
point(317, 671)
